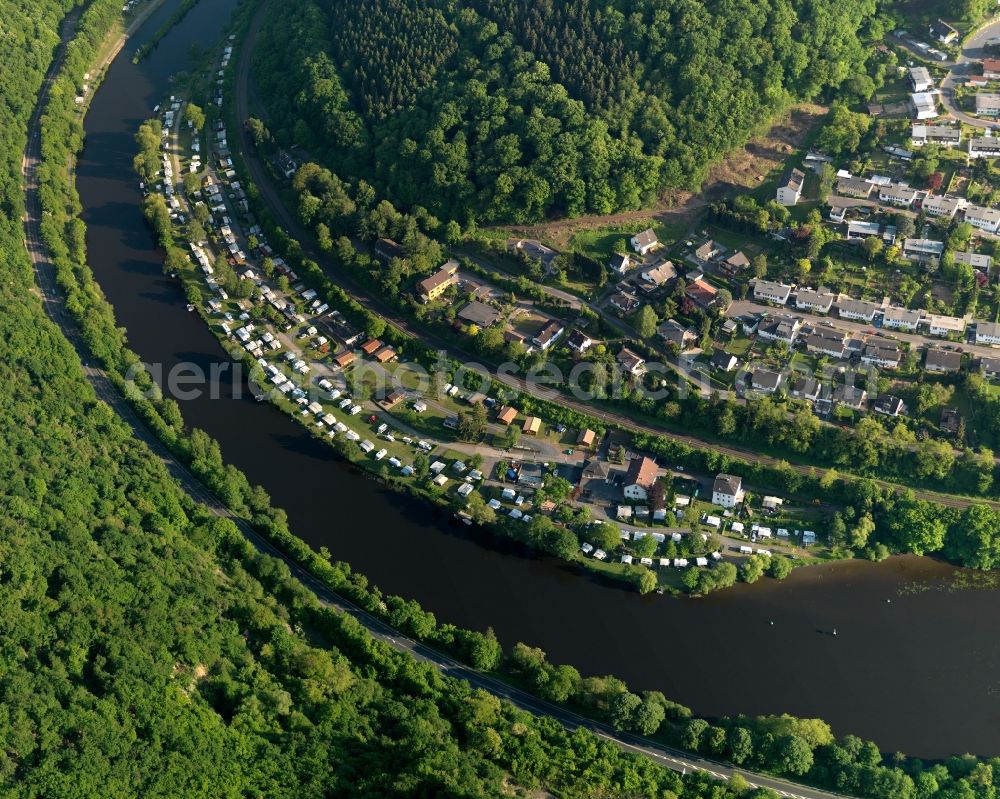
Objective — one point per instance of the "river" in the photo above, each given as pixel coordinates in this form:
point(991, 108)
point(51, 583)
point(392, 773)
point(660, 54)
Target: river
point(912, 664)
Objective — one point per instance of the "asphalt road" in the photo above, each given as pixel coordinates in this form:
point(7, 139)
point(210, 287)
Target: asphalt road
point(106, 391)
point(964, 66)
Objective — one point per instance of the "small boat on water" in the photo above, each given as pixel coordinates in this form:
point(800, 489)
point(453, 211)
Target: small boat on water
point(190, 307)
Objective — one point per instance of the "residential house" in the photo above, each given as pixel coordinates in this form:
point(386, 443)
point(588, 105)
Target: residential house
point(595, 470)
point(898, 194)
point(942, 135)
point(709, 250)
point(923, 251)
point(978, 261)
point(858, 188)
point(620, 263)
point(987, 219)
point(579, 341)
point(430, 288)
point(984, 147)
point(990, 367)
point(387, 249)
point(780, 328)
point(897, 318)
point(767, 291)
point(766, 381)
point(935, 205)
point(385, 355)
point(371, 346)
point(920, 79)
point(859, 231)
point(837, 213)
point(987, 104)
point(850, 396)
point(702, 293)
point(479, 313)
point(659, 275)
point(532, 248)
point(586, 438)
point(923, 105)
point(625, 302)
point(857, 310)
point(951, 420)
point(790, 189)
point(507, 415)
point(344, 359)
point(807, 388)
point(942, 361)
point(640, 478)
point(723, 361)
point(644, 242)
point(991, 68)
point(826, 341)
point(988, 333)
point(727, 490)
point(888, 405)
point(943, 32)
point(674, 332)
point(532, 426)
point(884, 357)
point(734, 264)
point(547, 335)
point(819, 301)
point(631, 362)
point(938, 325)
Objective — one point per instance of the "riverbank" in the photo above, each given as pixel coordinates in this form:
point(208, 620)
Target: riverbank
point(473, 580)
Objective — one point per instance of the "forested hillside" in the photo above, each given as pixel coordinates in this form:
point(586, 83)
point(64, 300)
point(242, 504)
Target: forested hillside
point(148, 652)
point(512, 110)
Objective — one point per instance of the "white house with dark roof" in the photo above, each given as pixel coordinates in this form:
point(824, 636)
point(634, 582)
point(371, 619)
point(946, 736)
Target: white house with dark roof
point(826, 341)
point(988, 333)
point(942, 135)
point(766, 380)
point(935, 205)
point(768, 291)
point(727, 490)
point(850, 396)
point(898, 194)
point(857, 310)
point(984, 147)
point(920, 79)
point(812, 300)
point(896, 318)
point(977, 260)
point(859, 188)
point(987, 219)
point(987, 104)
point(790, 190)
point(620, 263)
point(942, 361)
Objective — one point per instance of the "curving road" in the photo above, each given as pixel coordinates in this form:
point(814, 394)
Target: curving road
point(106, 391)
point(964, 66)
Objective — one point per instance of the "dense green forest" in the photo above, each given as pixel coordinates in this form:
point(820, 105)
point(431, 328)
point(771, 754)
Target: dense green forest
point(511, 110)
point(148, 651)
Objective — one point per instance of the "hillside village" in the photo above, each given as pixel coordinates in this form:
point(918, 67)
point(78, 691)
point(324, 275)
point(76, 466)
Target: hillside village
point(857, 283)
